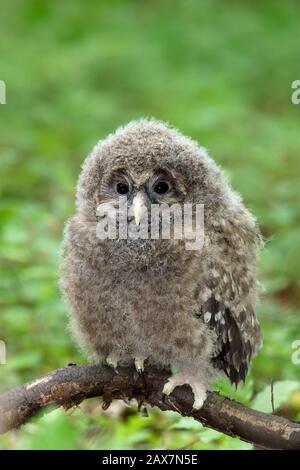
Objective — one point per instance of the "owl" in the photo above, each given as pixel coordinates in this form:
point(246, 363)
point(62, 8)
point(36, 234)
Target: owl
point(133, 299)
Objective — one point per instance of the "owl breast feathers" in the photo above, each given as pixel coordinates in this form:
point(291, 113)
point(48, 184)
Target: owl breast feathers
point(133, 299)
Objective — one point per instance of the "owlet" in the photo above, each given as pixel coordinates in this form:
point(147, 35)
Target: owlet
point(135, 293)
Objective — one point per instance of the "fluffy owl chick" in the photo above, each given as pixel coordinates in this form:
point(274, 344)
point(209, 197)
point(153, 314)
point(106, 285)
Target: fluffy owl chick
point(136, 299)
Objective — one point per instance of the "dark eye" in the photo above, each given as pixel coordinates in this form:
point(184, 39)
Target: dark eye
point(122, 188)
point(161, 187)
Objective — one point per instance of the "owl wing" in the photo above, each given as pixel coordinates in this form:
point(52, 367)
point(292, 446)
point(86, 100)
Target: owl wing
point(238, 337)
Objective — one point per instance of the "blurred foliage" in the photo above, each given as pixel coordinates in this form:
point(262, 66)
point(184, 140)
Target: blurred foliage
point(219, 71)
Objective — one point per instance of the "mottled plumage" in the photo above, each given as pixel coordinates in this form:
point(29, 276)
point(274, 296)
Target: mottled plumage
point(136, 299)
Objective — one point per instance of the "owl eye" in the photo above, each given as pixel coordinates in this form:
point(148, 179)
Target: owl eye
point(122, 188)
point(161, 187)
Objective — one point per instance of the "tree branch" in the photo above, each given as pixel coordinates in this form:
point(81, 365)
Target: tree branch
point(71, 385)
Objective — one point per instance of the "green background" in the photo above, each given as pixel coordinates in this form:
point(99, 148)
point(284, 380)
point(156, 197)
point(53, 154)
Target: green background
point(74, 71)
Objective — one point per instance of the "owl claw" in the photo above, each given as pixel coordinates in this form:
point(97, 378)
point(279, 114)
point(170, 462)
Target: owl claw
point(181, 378)
point(139, 364)
point(198, 403)
point(112, 362)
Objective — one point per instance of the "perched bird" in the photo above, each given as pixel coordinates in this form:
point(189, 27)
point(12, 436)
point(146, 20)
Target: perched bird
point(137, 299)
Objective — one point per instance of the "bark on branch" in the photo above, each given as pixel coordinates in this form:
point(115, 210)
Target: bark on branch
point(69, 386)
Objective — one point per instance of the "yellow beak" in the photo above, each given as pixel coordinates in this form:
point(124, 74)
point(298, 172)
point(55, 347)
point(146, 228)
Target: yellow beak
point(139, 208)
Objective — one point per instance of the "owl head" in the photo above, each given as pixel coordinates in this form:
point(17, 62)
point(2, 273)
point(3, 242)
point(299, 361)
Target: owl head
point(147, 162)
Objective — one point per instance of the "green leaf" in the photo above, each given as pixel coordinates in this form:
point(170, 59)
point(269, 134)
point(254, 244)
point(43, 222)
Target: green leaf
point(281, 391)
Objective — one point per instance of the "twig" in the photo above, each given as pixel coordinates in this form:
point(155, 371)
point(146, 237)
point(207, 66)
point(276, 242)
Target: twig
point(272, 396)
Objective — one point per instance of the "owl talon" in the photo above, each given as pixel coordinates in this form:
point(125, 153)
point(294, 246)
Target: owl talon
point(198, 403)
point(112, 362)
point(179, 379)
point(168, 388)
point(139, 364)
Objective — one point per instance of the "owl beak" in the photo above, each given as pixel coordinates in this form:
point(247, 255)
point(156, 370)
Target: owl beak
point(139, 208)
